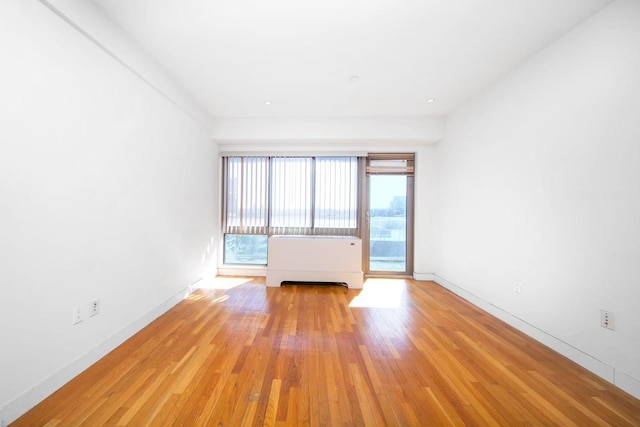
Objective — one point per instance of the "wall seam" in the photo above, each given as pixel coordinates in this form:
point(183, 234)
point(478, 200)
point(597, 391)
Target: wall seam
point(121, 61)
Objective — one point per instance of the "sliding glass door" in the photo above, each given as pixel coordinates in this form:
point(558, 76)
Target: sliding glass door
point(388, 237)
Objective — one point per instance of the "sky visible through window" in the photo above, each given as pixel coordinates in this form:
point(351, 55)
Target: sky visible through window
point(385, 189)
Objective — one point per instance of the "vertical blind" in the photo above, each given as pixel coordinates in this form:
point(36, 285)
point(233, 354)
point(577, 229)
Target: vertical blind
point(291, 195)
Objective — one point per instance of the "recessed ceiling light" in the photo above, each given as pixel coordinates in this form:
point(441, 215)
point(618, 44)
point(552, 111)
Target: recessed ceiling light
point(267, 102)
point(431, 99)
point(354, 78)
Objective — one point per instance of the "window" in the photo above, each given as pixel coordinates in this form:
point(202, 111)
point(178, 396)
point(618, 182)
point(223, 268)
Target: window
point(286, 195)
point(245, 249)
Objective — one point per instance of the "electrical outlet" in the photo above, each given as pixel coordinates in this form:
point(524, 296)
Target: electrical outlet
point(94, 307)
point(517, 287)
point(606, 320)
point(77, 315)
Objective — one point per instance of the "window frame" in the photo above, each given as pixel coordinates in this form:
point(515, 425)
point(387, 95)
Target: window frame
point(354, 173)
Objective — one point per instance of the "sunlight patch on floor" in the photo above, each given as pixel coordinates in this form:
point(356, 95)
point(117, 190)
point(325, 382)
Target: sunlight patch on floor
point(221, 298)
point(379, 293)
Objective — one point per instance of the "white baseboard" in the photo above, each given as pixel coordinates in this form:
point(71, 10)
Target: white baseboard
point(628, 383)
point(36, 394)
point(424, 277)
point(621, 380)
point(260, 271)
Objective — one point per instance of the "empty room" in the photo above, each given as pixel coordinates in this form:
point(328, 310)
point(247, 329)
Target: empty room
point(319, 212)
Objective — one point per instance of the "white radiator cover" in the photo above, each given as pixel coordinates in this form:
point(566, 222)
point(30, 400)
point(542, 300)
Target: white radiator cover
point(314, 259)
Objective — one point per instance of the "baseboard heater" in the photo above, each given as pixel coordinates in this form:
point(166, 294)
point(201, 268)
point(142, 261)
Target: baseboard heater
point(314, 259)
point(291, 282)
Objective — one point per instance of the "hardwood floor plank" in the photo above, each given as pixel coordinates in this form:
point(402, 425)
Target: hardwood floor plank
point(272, 404)
point(436, 412)
point(622, 418)
point(305, 355)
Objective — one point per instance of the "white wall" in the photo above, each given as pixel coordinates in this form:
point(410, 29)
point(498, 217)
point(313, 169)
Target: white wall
point(290, 133)
point(427, 196)
point(108, 190)
point(540, 183)
point(90, 19)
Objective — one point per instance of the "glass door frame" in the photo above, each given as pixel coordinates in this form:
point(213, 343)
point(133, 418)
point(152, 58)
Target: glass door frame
point(365, 217)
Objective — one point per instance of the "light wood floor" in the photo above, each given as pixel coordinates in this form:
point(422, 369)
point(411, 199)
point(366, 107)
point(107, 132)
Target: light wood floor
point(306, 355)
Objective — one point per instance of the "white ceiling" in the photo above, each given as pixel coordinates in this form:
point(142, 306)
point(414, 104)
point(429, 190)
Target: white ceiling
point(234, 55)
